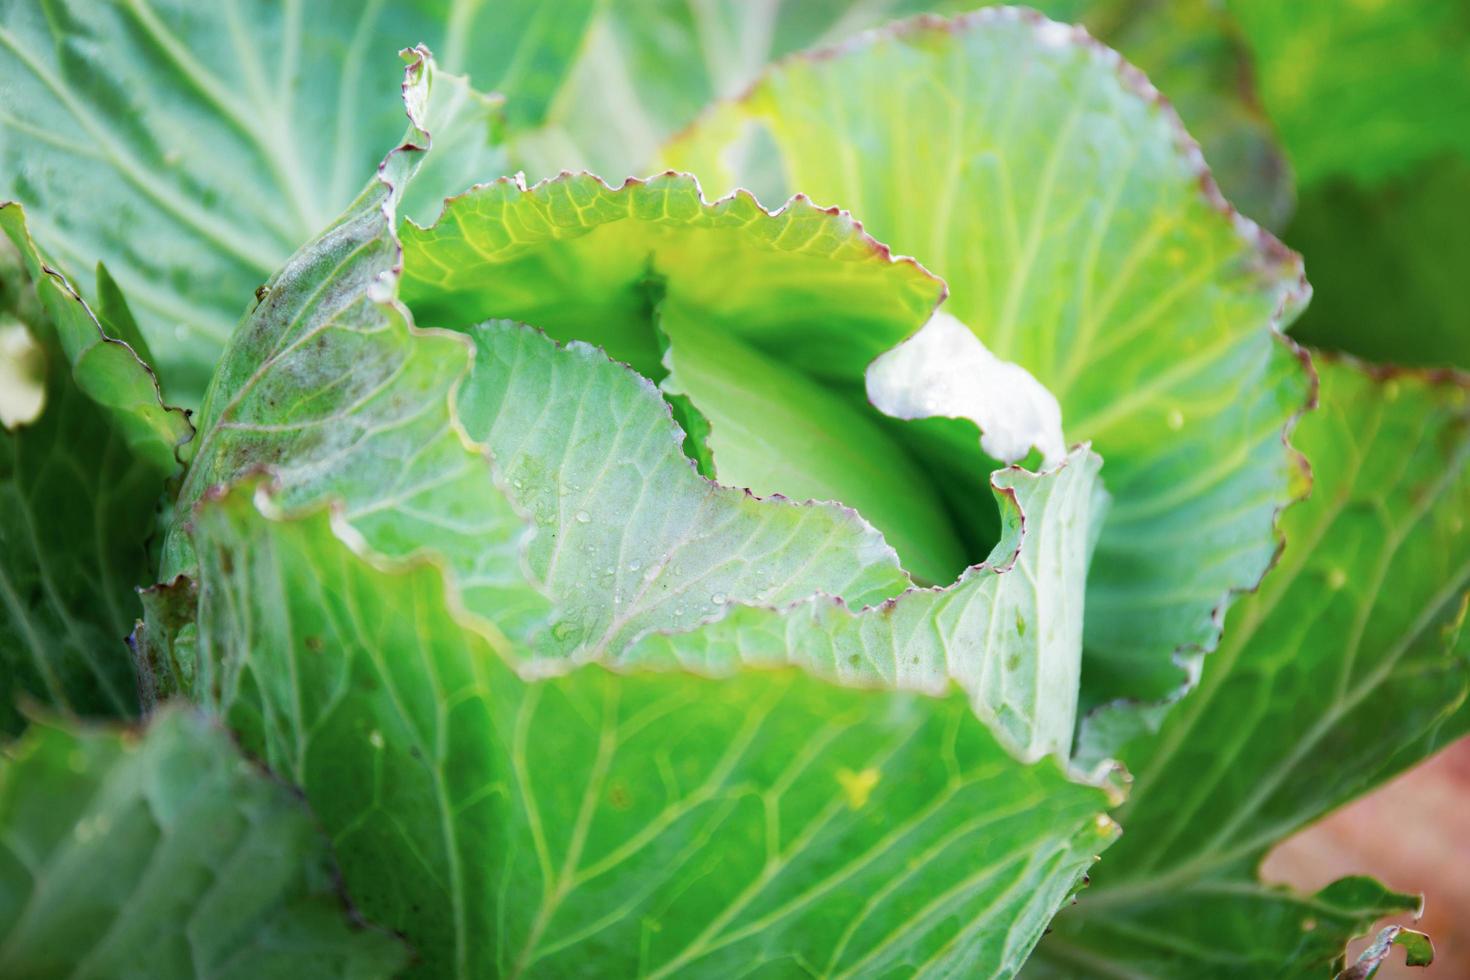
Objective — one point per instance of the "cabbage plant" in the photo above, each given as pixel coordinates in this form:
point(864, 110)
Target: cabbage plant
point(865, 517)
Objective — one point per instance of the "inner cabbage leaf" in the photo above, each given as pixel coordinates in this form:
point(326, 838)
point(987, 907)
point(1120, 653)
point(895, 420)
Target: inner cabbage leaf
point(1083, 238)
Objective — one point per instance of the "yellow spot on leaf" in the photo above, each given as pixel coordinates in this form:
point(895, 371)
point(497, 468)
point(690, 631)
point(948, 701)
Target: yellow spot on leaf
point(858, 786)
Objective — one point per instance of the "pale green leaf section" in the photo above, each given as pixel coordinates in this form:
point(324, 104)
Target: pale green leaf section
point(1082, 238)
point(764, 321)
point(631, 824)
point(166, 855)
point(193, 147)
point(1009, 631)
point(1349, 665)
point(630, 538)
point(80, 482)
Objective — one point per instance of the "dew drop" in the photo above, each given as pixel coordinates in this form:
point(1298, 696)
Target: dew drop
point(633, 566)
point(718, 598)
point(583, 517)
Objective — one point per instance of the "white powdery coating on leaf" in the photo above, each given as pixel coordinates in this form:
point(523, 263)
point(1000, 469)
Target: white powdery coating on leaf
point(22, 374)
point(1054, 35)
point(944, 370)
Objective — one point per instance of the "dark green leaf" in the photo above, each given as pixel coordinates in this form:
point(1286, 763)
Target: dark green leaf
point(166, 855)
point(82, 473)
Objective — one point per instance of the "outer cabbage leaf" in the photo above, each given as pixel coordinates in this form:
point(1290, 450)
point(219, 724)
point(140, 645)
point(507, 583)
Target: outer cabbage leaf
point(80, 481)
point(166, 855)
point(632, 823)
point(1083, 238)
point(1351, 664)
point(192, 147)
